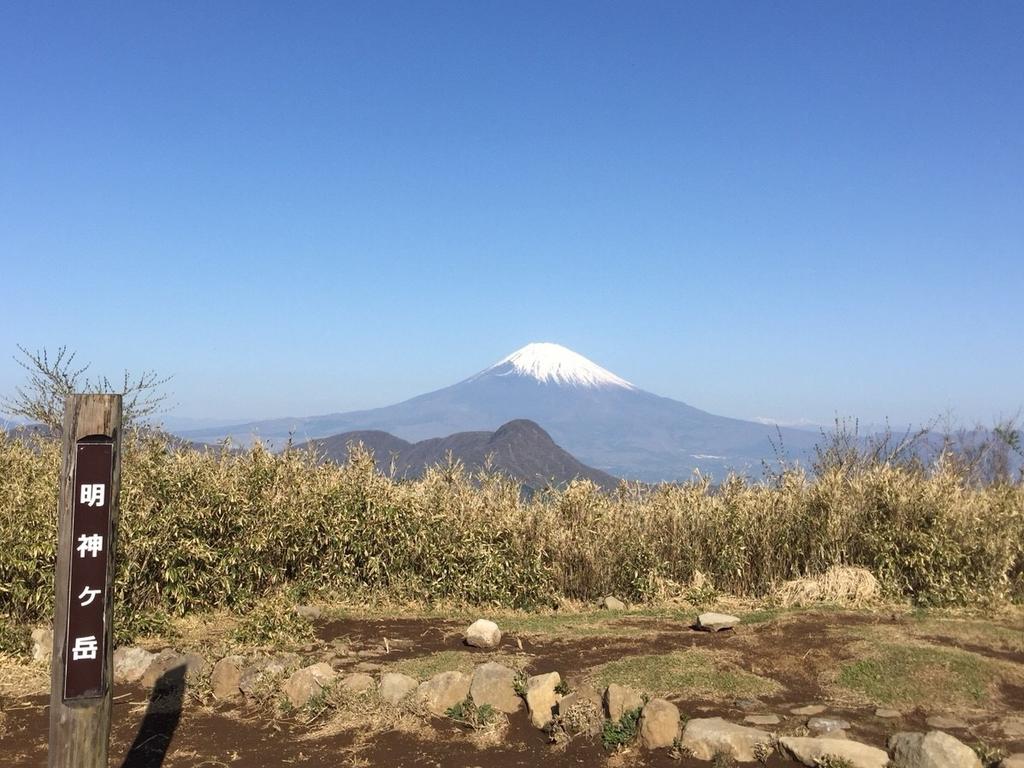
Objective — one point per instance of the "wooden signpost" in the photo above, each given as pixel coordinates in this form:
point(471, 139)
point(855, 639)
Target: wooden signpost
point(90, 480)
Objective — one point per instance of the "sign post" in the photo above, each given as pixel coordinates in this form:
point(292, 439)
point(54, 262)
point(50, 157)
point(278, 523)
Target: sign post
point(90, 482)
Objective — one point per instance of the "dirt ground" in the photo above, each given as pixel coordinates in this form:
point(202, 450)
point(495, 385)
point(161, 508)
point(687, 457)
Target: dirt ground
point(836, 658)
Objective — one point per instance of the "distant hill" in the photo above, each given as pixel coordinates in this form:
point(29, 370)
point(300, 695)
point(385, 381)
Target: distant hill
point(519, 449)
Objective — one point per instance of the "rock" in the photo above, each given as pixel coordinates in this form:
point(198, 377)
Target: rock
point(811, 751)
point(934, 749)
point(226, 678)
point(580, 713)
point(613, 604)
point(888, 714)
point(941, 722)
point(619, 699)
point(395, 686)
point(286, 662)
point(820, 726)
point(483, 634)
point(716, 622)
point(1013, 761)
point(707, 736)
point(264, 671)
point(541, 697)
point(442, 691)
point(303, 685)
point(810, 709)
point(308, 612)
point(495, 684)
point(762, 719)
point(357, 682)
point(42, 644)
point(167, 660)
point(367, 666)
point(659, 724)
point(131, 663)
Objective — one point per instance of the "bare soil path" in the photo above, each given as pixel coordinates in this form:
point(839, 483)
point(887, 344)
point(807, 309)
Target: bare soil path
point(826, 657)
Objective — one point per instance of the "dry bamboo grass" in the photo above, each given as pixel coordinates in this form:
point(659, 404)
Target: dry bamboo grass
point(204, 530)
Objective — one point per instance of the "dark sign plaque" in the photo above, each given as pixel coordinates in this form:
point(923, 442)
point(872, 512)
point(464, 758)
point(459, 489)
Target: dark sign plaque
point(85, 642)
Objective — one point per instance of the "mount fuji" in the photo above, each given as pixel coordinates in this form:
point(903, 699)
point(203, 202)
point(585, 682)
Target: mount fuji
point(600, 418)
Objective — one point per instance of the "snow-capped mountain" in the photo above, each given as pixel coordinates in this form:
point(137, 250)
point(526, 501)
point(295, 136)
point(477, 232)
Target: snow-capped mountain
point(554, 364)
point(600, 418)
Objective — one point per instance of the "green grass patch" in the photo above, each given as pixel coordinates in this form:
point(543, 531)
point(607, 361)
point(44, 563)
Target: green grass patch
point(425, 667)
point(695, 672)
point(982, 633)
point(619, 734)
point(912, 675)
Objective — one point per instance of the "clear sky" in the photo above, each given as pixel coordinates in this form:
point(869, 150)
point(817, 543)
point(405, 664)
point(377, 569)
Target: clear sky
point(792, 210)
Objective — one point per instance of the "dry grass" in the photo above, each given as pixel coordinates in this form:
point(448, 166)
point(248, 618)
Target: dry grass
point(219, 530)
point(840, 585)
point(19, 678)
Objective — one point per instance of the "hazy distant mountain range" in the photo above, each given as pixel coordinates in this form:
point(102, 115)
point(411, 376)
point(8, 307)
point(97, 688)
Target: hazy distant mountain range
point(600, 418)
point(519, 449)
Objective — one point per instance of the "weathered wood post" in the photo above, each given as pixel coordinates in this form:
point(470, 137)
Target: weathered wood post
point(90, 482)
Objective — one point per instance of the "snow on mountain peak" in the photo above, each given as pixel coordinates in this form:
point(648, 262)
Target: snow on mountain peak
point(555, 364)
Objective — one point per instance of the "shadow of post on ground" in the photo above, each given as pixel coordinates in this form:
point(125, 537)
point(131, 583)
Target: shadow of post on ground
point(161, 720)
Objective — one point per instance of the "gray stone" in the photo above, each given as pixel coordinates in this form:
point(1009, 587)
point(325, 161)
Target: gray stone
point(613, 604)
point(619, 699)
point(226, 678)
point(306, 683)
point(811, 751)
point(762, 719)
point(357, 682)
point(495, 684)
point(442, 691)
point(367, 666)
point(483, 634)
point(707, 736)
point(394, 686)
point(716, 622)
point(167, 660)
point(541, 697)
point(888, 714)
point(810, 709)
point(42, 644)
point(934, 749)
point(659, 724)
point(131, 663)
point(821, 726)
point(941, 722)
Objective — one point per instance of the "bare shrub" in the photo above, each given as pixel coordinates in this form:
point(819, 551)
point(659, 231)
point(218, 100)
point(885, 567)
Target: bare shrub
point(52, 379)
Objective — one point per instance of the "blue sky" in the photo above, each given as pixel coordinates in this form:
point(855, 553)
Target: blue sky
point(792, 210)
